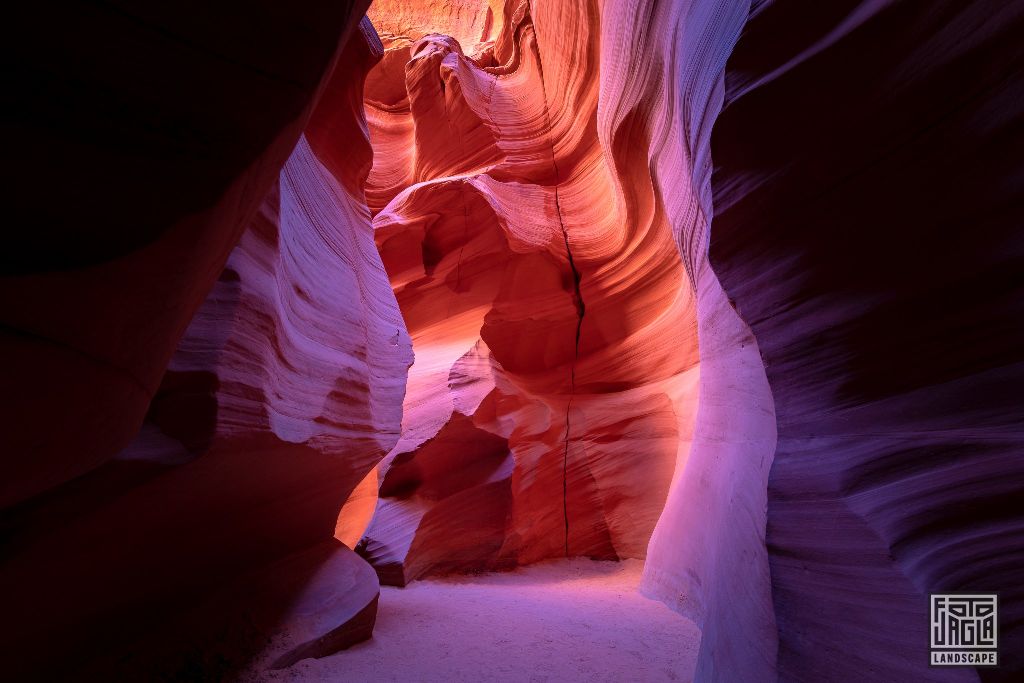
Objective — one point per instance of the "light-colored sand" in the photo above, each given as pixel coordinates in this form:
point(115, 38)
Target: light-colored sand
point(571, 620)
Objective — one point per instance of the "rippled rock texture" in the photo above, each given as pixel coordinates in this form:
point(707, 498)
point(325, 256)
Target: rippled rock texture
point(167, 139)
point(867, 196)
point(206, 542)
point(524, 210)
point(297, 305)
point(551, 315)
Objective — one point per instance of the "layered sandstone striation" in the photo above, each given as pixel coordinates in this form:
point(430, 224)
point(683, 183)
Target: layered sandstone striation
point(206, 544)
point(299, 306)
point(707, 557)
point(469, 219)
point(552, 319)
point(142, 153)
point(867, 227)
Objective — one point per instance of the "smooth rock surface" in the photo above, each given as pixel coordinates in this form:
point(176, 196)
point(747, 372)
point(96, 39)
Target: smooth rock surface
point(207, 542)
point(706, 557)
point(732, 286)
point(867, 227)
point(137, 157)
point(553, 323)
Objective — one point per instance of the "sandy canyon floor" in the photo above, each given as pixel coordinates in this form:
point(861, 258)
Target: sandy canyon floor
point(568, 620)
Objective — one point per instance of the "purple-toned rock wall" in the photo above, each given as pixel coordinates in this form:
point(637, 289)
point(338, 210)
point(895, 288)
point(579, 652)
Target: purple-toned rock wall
point(205, 544)
point(868, 203)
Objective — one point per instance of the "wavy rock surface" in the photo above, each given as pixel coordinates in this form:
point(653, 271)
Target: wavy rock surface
point(553, 324)
point(165, 140)
point(869, 233)
point(213, 529)
point(706, 557)
point(197, 257)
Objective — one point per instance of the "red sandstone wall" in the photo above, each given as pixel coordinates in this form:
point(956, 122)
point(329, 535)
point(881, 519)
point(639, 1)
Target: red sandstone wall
point(139, 164)
point(205, 545)
point(545, 190)
point(706, 558)
point(551, 316)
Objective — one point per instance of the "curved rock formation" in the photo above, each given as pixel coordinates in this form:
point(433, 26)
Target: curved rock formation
point(869, 232)
point(138, 168)
point(212, 530)
point(628, 150)
point(582, 216)
point(706, 557)
point(555, 372)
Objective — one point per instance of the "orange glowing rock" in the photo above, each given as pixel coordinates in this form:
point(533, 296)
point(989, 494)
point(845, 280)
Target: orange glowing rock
point(552, 322)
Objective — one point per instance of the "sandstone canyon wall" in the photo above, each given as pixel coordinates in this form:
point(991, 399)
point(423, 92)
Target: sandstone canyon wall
point(499, 205)
point(867, 196)
point(707, 557)
point(168, 139)
point(206, 542)
point(551, 315)
point(733, 286)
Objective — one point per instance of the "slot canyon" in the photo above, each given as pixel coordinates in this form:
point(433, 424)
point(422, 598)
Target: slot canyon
point(515, 340)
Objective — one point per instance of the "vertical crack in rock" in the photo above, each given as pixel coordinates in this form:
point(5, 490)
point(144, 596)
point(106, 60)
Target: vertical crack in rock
point(577, 299)
point(472, 200)
point(580, 310)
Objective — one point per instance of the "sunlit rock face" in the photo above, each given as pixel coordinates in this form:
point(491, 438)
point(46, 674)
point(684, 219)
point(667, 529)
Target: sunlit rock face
point(707, 557)
point(207, 543)
point(867, 226)
point(255, 364)
point(474, 24)
point(553, 323)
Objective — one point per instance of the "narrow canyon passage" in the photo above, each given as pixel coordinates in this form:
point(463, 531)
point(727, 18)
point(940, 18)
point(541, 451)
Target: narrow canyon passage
point(515, 340)
point(552, 322)
point(535, 425)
